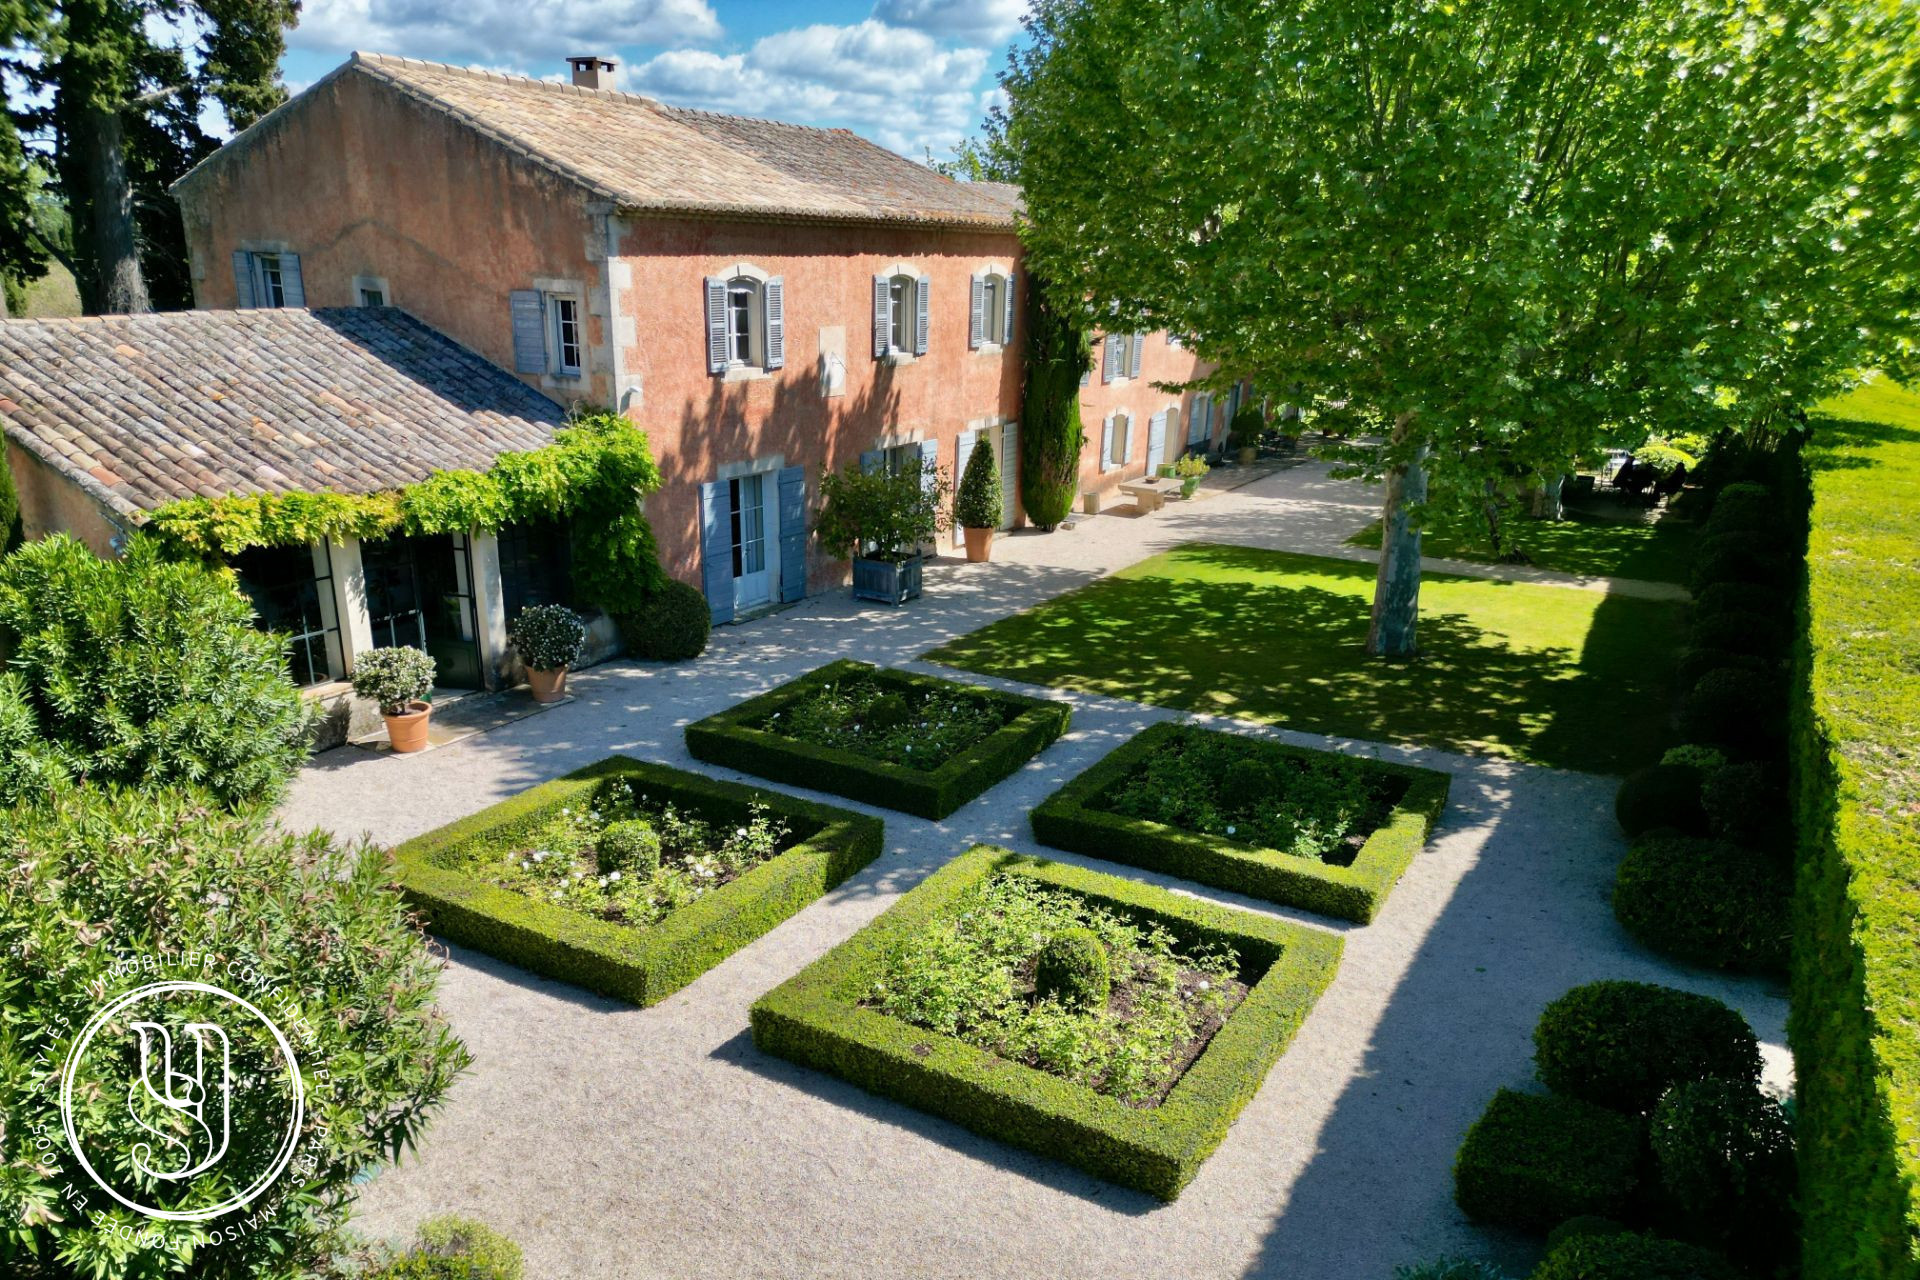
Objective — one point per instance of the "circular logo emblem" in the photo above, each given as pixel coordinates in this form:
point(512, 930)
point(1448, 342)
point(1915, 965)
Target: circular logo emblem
point(182, 1101)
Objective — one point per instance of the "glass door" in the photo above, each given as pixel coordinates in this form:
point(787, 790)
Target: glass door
point(445, 574)
point(752, 579)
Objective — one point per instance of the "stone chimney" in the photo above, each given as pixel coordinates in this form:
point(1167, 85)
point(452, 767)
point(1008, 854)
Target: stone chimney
point(591, 71)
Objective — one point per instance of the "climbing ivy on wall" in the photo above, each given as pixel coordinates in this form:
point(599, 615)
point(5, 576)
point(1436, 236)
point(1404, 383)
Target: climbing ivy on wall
point(594, 473)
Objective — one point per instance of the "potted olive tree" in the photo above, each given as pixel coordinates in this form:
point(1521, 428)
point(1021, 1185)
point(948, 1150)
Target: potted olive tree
point(1249, 428)
point(548, 638)
point(977, 507)
point(398, 680)
point(879, 520)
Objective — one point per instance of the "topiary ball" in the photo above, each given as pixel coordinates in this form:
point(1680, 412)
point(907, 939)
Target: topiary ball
point(671, 627)
point(1740, 597)
point(1746, 803)
point(1696, 663)
point(1737, 557)
point(1760, 634)
point(1745, 507)
point(631, 847)
point(1073, 968)
point(1247, 784)
point(1723, 1156)
point(1630, 1256)
point(1706, 902)
point(888, 711)
point(1741, 712)
point(1532, 1161)
point(1661, 795)
point(1622, 1044)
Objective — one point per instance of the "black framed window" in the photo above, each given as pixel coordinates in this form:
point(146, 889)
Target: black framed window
point(292, 593)
point(536, 566)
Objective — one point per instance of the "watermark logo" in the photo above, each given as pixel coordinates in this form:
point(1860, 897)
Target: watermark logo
point(180, 1081)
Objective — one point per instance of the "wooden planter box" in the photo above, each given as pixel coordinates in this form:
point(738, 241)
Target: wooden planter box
point(888, 581)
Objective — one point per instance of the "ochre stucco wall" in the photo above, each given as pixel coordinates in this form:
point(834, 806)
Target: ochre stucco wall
point(1159, 362)
point(50, 503)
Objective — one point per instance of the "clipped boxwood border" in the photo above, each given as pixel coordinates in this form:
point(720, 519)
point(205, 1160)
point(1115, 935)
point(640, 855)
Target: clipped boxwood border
point(729, 738)
point(644, 965)
point(1066, 820)
point(815, 1019)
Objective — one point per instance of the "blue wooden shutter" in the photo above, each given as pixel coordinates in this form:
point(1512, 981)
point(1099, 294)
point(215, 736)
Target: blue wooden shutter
point(719, 349)
point(1009, 473)
point(793, 534)
point(292, 287)
point(529, 331)
point(977, 313)
point(1106, 444)
point(1156, 441)
point(774, 294)
point(1110, 358)
point(716, 549)
point(1139, 344)
point(243, 278)
point(1006, 334)
point(923, 289)
point(962, 451)
point(882, 316)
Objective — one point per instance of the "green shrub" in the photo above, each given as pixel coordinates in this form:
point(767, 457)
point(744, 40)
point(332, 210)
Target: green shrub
point(887, 712)
point(1742, 597)
point(1248, 783)
point(139, 671)
point(547, 637)
point(1628, 1256)
point(95, 877)
point(1587, 1224)
point(1073, 969)
point(1701, 758)
point(671, 627)
point(1706, 902)
point(1622, 1044)
point(979, 503)
point(1746, 804)
point(1533, 1161)
point(1762, 635)
point(881, 514)
point(1741, 712)
point(1723, 1159)
point(426, 1266)
point(1737, 557)
point(1745, 507)
point(1051, 437)
point(394, 678)
point(492, 1255)
point(1661, 796)
point(1449, 1269)
point(631, 847)
point(1695, 664)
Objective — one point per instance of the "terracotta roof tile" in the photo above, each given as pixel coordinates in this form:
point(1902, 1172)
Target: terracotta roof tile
point(353, 400)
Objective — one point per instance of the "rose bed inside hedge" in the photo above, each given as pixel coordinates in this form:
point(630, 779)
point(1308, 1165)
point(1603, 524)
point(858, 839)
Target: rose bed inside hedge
point(822, 1018)
point(749, 737)
point(1079, 817)
point(644, 964)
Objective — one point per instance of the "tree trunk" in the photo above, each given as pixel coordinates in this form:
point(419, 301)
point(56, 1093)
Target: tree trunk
point(114, 282)
point(1492, 507)
point(1556, 508)
point(1396, 588)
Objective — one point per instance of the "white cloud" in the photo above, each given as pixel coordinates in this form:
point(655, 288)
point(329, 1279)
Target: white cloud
point(901, 88)
point(967, 19)
point(535, 31)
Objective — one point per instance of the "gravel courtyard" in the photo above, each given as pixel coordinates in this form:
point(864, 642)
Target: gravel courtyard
point(616, 1142)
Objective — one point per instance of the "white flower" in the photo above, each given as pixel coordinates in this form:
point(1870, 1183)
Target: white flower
point(1205, 985)
point(739, 831)
point(1229, 830)
point(615, 877)
point(525, 865)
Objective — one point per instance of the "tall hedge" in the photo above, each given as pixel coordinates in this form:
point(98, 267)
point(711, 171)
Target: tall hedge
point(1856, 970)
point(1051, 437)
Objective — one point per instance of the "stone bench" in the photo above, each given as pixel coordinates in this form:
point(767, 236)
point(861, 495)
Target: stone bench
point(1151, 494)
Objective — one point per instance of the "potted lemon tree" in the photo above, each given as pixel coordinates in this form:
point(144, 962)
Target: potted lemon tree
point(880, 520)
point(977, 507)
point(548, 639)
point(398, 681)
point(1249, 428)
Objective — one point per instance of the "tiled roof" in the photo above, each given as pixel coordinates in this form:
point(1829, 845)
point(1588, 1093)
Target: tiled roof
point(1007, 193)
point(644, 156)
point(140, 410)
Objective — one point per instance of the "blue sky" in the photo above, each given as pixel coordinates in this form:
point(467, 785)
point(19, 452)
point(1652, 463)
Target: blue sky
point(907, 73)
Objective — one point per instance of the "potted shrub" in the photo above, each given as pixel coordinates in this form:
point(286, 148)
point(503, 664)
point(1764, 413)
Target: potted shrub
point(978, 506)
point(1249, 428)
point(1190, 470)
point(398, 680)
point(548, 638)
point(879, 521)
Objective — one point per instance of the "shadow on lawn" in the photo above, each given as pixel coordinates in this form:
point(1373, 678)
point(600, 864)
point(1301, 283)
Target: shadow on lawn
point(1223, 642)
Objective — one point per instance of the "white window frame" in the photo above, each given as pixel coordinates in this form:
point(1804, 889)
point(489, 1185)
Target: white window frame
point(903, 307)
point(363, 285)
point(564, 311)
point(746, 275)
point(268, 282)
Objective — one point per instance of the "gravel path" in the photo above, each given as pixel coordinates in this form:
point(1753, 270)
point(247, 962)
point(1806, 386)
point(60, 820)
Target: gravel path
point(615, 1142)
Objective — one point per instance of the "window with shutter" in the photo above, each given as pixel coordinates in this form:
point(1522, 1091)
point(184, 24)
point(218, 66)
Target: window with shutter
point(719, 348)
point(776, 320)
point(922, 321)
point(293, 290)
point(528, 320)
point(1110, 358)
point(1006, 325)
point(243, 278)
point(882, 315)
point(976, 312)
point(1139, 345)
point(716, 550)
point(1106, 444)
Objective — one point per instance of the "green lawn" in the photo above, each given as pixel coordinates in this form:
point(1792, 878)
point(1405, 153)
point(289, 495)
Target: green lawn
point(1552, 675)
point(1582, 544)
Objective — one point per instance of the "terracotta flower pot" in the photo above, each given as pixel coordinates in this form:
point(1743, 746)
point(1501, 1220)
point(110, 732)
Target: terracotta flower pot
point(548, 686)
point(1248, 454)
point(408, 733)
point(979, 544)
